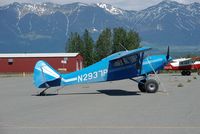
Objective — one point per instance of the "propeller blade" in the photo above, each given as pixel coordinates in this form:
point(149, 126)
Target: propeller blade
point(167, 56)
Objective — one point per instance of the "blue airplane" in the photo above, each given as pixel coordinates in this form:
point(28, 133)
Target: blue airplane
point(118, 66)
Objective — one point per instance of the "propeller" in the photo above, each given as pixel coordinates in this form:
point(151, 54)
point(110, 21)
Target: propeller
point(167, 56)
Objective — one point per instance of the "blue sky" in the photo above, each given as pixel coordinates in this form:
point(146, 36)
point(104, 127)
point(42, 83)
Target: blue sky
point(124, 4)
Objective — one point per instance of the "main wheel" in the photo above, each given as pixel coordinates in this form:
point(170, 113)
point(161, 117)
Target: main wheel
point(188, 73)
point(151, 86)
point(183, 73)
point(141, 85)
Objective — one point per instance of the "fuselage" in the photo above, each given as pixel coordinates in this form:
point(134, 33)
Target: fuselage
point(183, 64)
point(110, 68)
point(154, 63)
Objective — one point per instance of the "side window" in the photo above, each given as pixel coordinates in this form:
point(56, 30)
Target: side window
point(185, 62)
point(126, 61)
point(117, 63)
point(129, 60)
point(133, 58)
point(191, 62)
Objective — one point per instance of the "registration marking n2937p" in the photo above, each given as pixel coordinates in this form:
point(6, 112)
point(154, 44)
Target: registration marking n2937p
point(92, 75)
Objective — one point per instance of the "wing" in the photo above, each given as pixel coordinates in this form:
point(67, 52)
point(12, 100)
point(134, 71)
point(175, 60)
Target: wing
point(126, 64)
point(131, 52)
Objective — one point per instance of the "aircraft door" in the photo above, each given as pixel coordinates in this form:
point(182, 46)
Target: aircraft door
point(122, 68)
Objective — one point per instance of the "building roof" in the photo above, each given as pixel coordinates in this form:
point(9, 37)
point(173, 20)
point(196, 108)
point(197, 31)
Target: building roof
point(36, 55)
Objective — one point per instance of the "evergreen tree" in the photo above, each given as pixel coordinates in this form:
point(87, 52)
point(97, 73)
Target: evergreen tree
point(103, 45)
point(88, 49)
point(125, 39)
point(107, 43)
point(69, 46)
point(119, 38)
point(75, 43)
point(132, 40)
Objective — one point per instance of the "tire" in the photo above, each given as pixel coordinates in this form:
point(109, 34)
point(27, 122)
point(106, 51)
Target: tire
point(183, 73)
point(141, 85)
point(198, 73)
point(151, 86)
point(188, 73)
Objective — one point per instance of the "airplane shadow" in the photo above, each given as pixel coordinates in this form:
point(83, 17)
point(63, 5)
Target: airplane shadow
point(109, 92)
point(54, 94)
point(118, 92)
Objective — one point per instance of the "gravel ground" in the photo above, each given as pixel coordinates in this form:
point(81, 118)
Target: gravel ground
point(111, 107)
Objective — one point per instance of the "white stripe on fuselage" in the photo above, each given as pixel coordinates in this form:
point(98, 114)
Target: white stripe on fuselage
point(69, 80)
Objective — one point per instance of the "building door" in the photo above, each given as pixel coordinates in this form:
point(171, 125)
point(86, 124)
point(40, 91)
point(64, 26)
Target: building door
point(77, 65)
point(81, 64)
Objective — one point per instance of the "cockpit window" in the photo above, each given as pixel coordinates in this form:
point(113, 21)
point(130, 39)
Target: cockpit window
point(129, 60)
point(186, 62)
point(117, 63)
point(133, 58)
point(126, 61)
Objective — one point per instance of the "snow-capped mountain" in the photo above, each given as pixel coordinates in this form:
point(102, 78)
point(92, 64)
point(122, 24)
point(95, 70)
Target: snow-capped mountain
point(45, 27)
point(111, 9)
point(170, 22)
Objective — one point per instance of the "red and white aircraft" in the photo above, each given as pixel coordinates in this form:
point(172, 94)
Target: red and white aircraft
point(185, 65)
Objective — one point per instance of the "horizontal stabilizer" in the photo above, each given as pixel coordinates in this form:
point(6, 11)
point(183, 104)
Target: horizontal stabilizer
point(45, 76)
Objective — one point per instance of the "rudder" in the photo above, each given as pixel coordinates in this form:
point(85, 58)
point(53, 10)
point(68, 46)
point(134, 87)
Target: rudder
point(45, 76)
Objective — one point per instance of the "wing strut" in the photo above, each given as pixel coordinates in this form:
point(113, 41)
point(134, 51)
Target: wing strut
point(141, 61)
point(165, 91)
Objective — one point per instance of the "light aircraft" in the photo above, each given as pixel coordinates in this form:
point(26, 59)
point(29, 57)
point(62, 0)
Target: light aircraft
point(118, 66)
point(184, 64)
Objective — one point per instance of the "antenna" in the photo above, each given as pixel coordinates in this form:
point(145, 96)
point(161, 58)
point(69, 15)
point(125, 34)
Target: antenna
point(123, 46)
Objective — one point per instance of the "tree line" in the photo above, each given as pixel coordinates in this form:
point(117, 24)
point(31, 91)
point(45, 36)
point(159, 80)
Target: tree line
point(108, 42)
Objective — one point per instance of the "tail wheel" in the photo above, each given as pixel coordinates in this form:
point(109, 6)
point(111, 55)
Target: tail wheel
point(151, 86)
point(141, 85)
point(42, 94)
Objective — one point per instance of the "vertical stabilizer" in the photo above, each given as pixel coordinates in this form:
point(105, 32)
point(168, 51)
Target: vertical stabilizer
point(45, 76)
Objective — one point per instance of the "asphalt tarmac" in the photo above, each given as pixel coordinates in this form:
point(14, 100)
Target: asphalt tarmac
point(104, 108)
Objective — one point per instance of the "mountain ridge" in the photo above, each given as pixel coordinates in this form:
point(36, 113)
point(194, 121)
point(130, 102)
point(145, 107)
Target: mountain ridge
point(45, 27)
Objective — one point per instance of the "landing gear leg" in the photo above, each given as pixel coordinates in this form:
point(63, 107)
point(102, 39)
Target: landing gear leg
point(43, 93)
point(141, 85)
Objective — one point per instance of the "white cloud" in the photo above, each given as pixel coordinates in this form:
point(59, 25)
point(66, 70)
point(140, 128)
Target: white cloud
point(124, 4)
